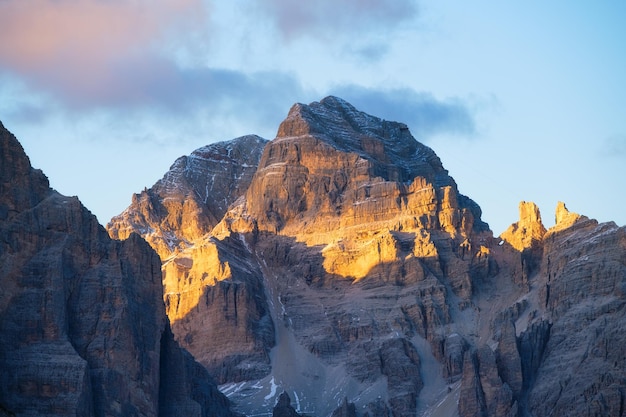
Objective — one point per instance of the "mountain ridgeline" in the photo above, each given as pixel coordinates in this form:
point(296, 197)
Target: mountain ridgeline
point(335, 270)
point(348, 270)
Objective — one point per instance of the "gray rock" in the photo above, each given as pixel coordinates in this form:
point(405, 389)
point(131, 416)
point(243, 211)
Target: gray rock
point(483, 393)
point(581, 370)
point(83, 329)
point(346, 409)
point(348, 242)
point(508, 359)
point(283, 407)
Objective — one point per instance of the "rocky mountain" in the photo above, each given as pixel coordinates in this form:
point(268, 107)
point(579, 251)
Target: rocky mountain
point(348, 276)
point(83, 329)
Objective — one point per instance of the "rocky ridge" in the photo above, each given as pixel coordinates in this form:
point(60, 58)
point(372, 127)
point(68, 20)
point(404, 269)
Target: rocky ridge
point(83, 329)
point(350, 273)
point(192, 197)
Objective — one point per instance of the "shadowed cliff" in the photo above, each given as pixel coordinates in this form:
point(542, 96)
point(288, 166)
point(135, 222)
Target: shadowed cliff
point(83, 329)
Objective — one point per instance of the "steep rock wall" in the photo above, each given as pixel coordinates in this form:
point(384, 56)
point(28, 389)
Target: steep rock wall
point(192, 197)
point(352, 271)
point(82, 323)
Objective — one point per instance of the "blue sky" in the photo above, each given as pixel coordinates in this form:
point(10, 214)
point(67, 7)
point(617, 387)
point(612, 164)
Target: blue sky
point(521, 101)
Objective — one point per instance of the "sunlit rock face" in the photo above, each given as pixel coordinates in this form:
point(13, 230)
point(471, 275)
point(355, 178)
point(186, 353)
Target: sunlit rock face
point(215, 304)
point(349, 272)
point(363, 188)
point(528, 231)
point(83, 329)
point(526, 238)
point(351, 235)
point(192, 197)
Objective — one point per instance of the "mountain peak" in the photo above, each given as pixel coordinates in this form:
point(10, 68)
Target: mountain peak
point(564, 218)
point(192, 196)
point(387, 145)
point(528, 231)
point(20, 185)
point(350, 259)
point(329, 114)
point(334, 117)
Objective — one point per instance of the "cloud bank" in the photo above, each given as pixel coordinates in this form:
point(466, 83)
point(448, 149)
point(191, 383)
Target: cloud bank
point(93, 56)
point(92, 51)
point(97, 56)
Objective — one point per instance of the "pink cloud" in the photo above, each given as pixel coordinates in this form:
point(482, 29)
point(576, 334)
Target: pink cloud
point(81, 48)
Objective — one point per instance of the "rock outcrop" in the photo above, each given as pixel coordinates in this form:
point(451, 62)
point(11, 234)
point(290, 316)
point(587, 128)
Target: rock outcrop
point(283, 407)
point(483, 391)
point(582, 283)
point(83, 329)
point(349, 271)
point(552, 345)
point(526, 237)
point(192, 197)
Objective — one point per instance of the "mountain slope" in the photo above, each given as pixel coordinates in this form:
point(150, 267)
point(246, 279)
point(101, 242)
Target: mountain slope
point(352, 271)
point(192, 197)
point(82, 323)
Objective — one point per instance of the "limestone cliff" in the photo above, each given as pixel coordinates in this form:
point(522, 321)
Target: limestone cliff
point(557, 346)
point(582, 294)
point(351, 241)
point(204, 277)
point(83, 329)
point(192, 197)
point(349, 272)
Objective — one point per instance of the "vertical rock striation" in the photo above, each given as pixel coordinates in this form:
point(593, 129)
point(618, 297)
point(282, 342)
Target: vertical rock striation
point(350, 240)
point(82, 323)
point(348, 270)
point(582, 284)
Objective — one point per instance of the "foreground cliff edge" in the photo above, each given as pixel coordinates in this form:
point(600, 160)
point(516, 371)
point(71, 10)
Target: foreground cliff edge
point(338, 270)
point(83, 330)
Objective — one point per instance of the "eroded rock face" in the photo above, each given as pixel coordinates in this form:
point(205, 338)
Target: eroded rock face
point(203, 276)
point(83, 330)
point(192, 197)
point(345, 212)
point(582, 282)
point(528, 231)
point(352, 271)
point(483, 392)
point(215, 298)
point(526, 238)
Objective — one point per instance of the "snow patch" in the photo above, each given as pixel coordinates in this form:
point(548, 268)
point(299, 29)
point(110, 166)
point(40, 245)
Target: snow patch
point(243, 241)
point(273, 388)
point(297, 400)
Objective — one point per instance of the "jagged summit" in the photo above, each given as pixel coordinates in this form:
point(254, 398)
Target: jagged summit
point(193, 169)
point(389, 146)
point(330, 160)
point(330, 116)
point(528, 230)
point(20, 185)
point(351, 267)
